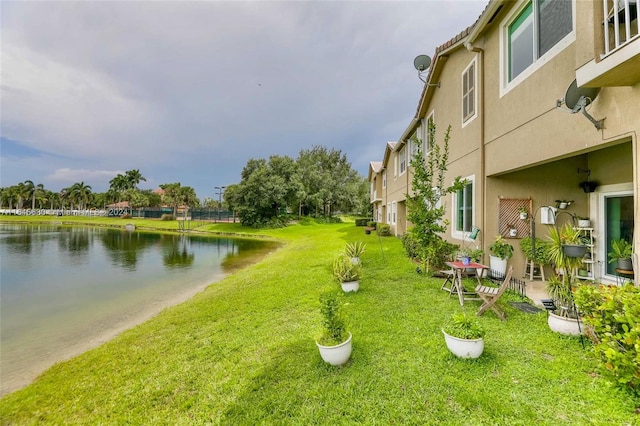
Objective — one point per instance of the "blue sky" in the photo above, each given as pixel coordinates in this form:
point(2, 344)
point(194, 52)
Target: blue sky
point(189, 91)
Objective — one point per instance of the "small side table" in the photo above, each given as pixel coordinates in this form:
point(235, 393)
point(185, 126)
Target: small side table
point(623, 276)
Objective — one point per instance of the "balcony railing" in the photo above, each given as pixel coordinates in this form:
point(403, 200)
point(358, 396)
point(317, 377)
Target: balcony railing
point(620, 24)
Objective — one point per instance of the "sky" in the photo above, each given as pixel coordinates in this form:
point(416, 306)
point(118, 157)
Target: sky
point(188, 91)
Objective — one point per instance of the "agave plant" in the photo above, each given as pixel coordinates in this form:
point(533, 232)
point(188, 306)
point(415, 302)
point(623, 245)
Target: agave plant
point(355, 249)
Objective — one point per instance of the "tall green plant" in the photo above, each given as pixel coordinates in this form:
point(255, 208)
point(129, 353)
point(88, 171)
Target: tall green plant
point(428, 185)
point(333, 324)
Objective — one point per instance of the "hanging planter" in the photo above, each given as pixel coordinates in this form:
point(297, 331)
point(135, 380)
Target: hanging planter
point(574, 250)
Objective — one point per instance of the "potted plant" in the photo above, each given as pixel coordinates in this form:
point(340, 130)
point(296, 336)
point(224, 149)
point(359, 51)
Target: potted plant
point(464, 254)
point(562, 314)
point(524, 213)
point(621, 252)
point(513, 231)
point(584, 222)
point(501, 252)
point(347, 273)
point(464, 336)
point(355, 250)
point(563, 204)
point(572, 241)
point(334, 343)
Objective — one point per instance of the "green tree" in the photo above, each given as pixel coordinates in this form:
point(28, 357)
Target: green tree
point(133, 178)
point(428, 185)
point(328, 183)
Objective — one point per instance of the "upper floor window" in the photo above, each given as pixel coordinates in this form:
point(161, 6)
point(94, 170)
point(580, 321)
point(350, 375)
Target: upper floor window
point(533, 32)
point(429, 133)
point(469, 92)
point(384, 178)
point(403, 159)
point(395, 165)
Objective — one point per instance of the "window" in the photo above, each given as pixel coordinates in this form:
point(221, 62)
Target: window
point(395, 165)
point(388, 212)
point(429, 136)
point(618, 222)
point(394, 212)
point(463, 210)
point(469, 92)
point(533, 33)
point(384, 178)
point(403, 160)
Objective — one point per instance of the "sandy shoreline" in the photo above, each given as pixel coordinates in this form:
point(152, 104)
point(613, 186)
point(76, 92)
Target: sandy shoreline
point(95, 336)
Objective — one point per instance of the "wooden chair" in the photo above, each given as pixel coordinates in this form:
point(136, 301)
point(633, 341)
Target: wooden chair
point(490, 296)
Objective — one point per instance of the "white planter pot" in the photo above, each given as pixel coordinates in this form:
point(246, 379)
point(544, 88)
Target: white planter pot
point(523, 216)
point(336, 355)
point(464, 348)
point(513, 232)
point(498, 265)
point(565, 326)
point(350, 286)
point(584, 223)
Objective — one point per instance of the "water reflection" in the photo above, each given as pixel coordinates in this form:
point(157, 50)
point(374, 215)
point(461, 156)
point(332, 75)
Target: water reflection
point(176, 253)
point(64, 286)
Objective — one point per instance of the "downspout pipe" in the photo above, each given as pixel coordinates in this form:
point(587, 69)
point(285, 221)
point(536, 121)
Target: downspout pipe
point(483, 210)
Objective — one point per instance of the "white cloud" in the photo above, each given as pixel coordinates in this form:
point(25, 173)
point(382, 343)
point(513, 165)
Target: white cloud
point(71, 176)
point(189, 91)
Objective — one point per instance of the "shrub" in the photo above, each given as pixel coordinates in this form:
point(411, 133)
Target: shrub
point(344, 270)
point(464, 327)
point(371, 224)
point(167, 216)
point(384, 230)
point(333, 324)
point(411, 245)
point(362, 221)
point(614, 314)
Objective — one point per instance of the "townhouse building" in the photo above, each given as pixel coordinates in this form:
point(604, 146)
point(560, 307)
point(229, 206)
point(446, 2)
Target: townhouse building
point(543, 99)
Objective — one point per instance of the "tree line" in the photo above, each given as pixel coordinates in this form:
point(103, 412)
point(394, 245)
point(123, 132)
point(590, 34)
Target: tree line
point(80, 196)
point(319, 183)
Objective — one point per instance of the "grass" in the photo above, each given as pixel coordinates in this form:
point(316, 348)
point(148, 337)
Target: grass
point(243, 352)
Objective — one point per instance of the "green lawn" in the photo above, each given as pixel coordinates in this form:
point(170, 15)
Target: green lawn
point(243, 352)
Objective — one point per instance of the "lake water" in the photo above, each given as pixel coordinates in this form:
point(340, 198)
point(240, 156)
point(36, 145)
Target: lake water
point(67, 289)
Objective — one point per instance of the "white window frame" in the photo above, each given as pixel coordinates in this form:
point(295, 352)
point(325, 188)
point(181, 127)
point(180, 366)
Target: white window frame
point(471, 92)
point(403, 159)
point(395, 165)
point(603, 192)
point(389, 213)
point(506, 86)
point(384, 178)
point(462, 235)
point(394, 212)
point(428, 143)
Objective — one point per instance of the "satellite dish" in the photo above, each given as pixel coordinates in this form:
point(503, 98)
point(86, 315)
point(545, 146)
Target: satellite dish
point(577, 98)
point(422, 62)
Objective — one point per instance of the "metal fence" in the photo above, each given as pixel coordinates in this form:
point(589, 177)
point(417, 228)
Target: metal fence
point(516, 285)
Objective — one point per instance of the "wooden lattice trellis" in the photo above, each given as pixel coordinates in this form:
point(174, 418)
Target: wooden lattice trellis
point(509, 217)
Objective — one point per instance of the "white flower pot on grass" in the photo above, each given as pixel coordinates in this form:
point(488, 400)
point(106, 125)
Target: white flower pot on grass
point(564, 325)
point(336, 355)
point(464, 348)
point(350, 286)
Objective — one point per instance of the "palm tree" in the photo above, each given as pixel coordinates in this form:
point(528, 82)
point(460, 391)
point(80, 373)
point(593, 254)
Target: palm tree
point(133, 178)
point(30, 192)
point(119, 184)
point(81, 193)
